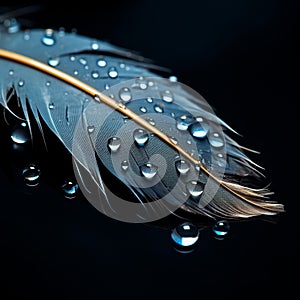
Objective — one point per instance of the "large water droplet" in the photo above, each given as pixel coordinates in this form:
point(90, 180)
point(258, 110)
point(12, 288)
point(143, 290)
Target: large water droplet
point(182, 166)
point(125, 94)
point(140, 136)
point(53, 62)
point(31, 175)
point(70, 189)
point(112, 72)
point(125, 165)
point(48, 38)
point(198, 131)
point(195, 188)
point(185, 235)
point(221, 228)
point(101, 63)
point(167, 96)
point(114, 143)
point(149, 170)
point(20, 134)
point(216, 140)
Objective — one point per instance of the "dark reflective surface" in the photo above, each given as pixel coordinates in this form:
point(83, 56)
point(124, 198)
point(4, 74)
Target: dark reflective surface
point(238, 55)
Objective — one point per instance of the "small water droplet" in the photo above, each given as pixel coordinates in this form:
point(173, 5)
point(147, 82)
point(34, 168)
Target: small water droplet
point(12, 25)
point(143, 109)
point(198, 131)
point(195, 188)
point(140, 136)
point(183, 122)
point(114, 143)
point(53, 62)
point(221, 228)
point(125, 165)
point(151, 121)
point(48, 38)
point(122, 65)
point(149, 170)
point(70, 189)
point(149, 100)
point(26, 35)
point(112, 72)
point(94, 45)
point(167, 96)
point(173, 140)
point(21, 83)
point(125, 94)
point(91, 128)
point(20, 134)
point(182, 166)
point(48, 83)
point(75, 72)
point(216, 140)
point(11, 72)
point(72, 58)
point(142, 83)
point(51, 105)
point(101, 63)
point(173, 79)
point(159, 108)
point(106, 86)
point(95, 74)
point(31, 175)
point(185, 234)
point(82, 60)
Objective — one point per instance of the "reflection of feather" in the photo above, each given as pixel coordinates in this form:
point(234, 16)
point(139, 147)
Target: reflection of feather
point(100, 98)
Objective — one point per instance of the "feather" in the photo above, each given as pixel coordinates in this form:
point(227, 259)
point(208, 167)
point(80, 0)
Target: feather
point(143, 144)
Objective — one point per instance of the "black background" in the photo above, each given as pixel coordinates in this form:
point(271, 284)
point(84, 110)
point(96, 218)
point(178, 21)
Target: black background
point(239, 55)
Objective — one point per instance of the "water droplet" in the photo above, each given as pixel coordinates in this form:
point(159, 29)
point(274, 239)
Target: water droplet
point(182, 166)
point(173, 140)
point(70, 189)
point(143, 109)
point(149, 100)
point(112, 72)
point(91, 128)
point(122, 65)
point(221, 228)
point(185, 235)
point(149, 170)
point(82, 60)
point(75, 72)
point(167, 96)
point(21, 83)
point(173, 79)
point(11, 72)
point(183, 122)
point(159, 108)
point(151, 121)
point(195, 188)
point(140, 136)
point(51, 105)
point(94, 45)
point(106, 86)
point(125, 94)
point(142, 83)
point(31, 174)
point(53, 62)
point(125, 165)
point(48, 83)
point(20, 134)
point(48, 38)
point(26, 35)
point(216, 140)
point(114, 143)
point(72, 58)
point(12, 25)
point(101, 63)
point(95, 74)
point(198, 131)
